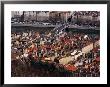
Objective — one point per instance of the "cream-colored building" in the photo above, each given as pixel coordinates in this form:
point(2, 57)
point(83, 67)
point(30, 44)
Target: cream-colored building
point(59, 16)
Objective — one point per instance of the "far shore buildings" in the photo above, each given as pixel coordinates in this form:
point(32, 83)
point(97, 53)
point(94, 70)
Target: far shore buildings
point(45, 16)
point(54, 16)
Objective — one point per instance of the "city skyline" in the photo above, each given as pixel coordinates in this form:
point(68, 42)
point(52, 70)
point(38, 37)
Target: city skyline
point(55, 16)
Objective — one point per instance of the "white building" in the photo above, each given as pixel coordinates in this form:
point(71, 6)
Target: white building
point(36, 15)
point(16, 13)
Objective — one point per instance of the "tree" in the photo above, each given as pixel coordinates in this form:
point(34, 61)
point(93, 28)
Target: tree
point(22, 17)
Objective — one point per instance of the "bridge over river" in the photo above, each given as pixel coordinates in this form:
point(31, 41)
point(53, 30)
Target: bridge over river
point(75, 28)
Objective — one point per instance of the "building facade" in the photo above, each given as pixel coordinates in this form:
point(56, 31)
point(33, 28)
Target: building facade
point(56, 16)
